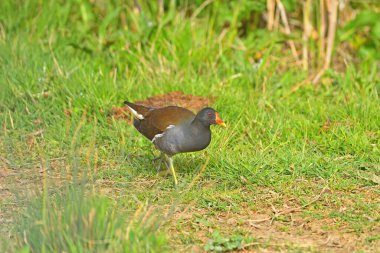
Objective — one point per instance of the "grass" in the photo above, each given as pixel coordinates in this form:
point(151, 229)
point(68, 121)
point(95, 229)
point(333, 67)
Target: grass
point(73, 222)
point(64, 65)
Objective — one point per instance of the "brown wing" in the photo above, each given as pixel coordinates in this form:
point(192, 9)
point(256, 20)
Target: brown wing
point(156, 121)
point(171, 115)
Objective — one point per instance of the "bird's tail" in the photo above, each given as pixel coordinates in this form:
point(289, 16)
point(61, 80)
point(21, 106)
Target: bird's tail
point(138, 111)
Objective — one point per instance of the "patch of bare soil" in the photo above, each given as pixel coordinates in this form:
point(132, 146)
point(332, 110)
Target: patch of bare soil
point(4, 190)
point(275, 229)
point(189, 101)
point(278, 222)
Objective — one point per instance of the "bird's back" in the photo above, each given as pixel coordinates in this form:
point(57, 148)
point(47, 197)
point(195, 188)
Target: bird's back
point(150, 122)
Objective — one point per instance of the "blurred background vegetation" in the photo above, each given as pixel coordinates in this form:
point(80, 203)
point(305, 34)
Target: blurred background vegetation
point(306, 33)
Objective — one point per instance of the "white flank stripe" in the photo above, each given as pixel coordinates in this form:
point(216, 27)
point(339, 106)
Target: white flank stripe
point(160, 135)
point(157, 136)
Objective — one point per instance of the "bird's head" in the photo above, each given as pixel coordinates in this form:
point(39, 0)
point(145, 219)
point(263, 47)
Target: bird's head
point(209, 116)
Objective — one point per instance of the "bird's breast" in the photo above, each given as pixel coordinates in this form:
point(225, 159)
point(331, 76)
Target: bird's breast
point(194, 140)
point(180, 140)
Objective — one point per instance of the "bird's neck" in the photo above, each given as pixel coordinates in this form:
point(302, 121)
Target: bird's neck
point(198, 124)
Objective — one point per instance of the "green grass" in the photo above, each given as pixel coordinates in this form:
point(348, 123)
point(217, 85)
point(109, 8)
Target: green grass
point(71, 221)
point(64, 65)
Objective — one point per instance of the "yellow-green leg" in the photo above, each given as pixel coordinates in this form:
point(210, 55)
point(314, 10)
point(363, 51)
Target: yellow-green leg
point(173, 171)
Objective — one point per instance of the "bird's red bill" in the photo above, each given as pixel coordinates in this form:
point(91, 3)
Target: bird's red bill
point(218, 120)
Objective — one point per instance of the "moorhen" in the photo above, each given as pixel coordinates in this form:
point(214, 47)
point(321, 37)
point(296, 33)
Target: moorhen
point(174, 129)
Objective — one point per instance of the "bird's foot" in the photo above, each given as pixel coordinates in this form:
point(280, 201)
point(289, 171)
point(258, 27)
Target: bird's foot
point(164, 173)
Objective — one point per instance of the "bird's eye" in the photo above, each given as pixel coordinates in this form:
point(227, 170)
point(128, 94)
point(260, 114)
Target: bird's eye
point(209, 114)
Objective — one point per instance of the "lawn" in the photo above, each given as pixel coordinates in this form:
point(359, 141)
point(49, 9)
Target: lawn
point(296, 169)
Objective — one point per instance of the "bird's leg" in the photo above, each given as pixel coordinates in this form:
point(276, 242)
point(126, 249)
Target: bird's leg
point(164, 160)
point(172, 170)
point(157, 158)
point(168, 161)
point(160, 159)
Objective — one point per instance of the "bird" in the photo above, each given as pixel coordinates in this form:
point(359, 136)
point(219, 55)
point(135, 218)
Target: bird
point(174, 129)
